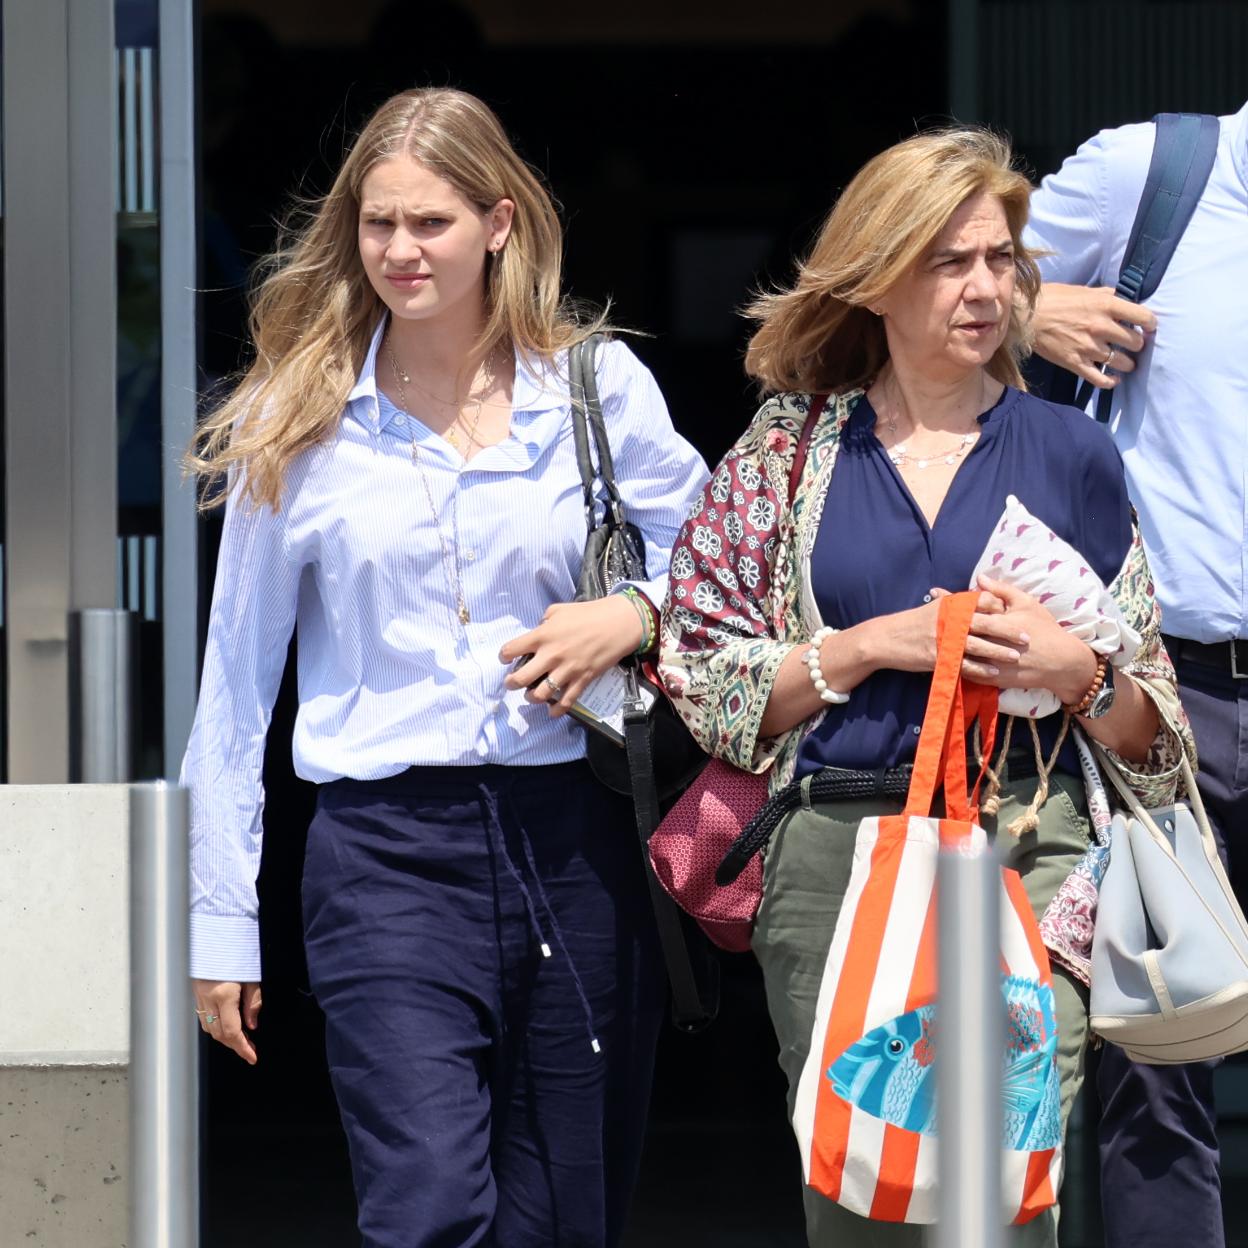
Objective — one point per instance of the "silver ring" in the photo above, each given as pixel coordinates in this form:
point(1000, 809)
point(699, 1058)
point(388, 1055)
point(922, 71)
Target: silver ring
point(553, 687)
point(1109, 359)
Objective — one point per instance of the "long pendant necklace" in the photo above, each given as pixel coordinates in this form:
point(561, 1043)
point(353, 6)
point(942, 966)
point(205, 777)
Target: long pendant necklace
point(450, 550)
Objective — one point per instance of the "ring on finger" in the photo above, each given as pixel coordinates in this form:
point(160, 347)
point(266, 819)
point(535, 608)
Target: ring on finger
point(554, 688)
point(212, 1018)
point(1109, 359)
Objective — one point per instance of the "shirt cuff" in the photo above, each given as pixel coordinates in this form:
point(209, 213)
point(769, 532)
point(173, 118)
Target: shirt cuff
point(225, 947)
point(655, 590)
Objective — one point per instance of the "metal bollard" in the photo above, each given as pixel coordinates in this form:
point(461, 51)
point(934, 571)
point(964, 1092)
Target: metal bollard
point(971, 1031)
point(102, 695)
point(164, 1196)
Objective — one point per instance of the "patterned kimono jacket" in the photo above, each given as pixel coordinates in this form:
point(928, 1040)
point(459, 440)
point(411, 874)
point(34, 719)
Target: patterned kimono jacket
point(740, 599)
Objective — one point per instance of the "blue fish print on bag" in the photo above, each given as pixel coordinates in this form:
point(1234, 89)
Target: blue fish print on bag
point(1030, 1093)
point(890, 1073)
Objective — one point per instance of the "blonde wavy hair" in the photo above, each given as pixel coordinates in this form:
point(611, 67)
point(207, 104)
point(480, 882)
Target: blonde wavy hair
point(819, 335)
point(313, 310)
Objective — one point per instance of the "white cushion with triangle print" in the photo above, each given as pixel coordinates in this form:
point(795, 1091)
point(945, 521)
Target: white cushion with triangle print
point(1025, 552)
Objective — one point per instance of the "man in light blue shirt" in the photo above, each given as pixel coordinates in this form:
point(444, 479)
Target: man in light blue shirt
point(1179, 373)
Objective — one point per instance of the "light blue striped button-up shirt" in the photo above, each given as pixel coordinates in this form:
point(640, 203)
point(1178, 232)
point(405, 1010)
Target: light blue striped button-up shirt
point(387, 676)
point(1181, 418)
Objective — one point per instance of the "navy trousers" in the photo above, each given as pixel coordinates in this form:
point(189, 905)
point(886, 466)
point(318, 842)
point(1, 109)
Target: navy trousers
point(481, 942)
point(1158, 1136)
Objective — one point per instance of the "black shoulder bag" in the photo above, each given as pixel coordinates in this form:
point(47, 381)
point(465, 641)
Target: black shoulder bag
point(660, 758)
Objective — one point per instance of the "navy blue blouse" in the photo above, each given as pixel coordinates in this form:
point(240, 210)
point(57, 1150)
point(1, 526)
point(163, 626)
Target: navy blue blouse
point(875, 554)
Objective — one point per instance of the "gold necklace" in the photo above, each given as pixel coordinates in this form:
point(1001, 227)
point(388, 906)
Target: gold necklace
point(450, 434)
point(900, 454)
point(450, 551)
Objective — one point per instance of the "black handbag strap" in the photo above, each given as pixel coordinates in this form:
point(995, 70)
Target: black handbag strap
point(587, 418)
point(829, 784)
point(689, 1011)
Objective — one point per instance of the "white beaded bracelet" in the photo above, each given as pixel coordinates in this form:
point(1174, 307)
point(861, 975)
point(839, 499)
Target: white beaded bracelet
point(812, 666)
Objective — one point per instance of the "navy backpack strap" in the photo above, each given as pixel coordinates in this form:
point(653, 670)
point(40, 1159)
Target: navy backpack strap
point(1184, 149)
point(1183, 155)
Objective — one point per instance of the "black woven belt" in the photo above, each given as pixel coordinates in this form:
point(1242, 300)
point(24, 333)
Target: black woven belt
point(832, 784)
point(1230, 657)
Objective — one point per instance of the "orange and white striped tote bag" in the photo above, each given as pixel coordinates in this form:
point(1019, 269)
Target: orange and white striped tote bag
point(865, 1116)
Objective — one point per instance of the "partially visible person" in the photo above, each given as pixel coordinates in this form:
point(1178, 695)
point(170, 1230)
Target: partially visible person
point(1179, 372)
point(403, 490)
point(909, 313)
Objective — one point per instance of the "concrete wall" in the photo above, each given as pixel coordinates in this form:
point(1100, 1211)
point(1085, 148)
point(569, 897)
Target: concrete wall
point(64, 1015)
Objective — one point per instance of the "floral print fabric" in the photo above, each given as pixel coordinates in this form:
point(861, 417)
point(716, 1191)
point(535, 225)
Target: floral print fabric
point(739, 601)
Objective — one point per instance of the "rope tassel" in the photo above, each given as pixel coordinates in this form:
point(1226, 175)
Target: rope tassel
point(1029, 820)
point(992, 798)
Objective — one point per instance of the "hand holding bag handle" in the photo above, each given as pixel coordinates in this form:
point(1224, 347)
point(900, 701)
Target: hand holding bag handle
point(953, 705)
point(932, 767)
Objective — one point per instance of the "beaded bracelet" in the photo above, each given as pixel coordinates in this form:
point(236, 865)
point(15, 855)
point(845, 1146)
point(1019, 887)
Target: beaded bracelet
point(645, 613)
point(1078, 708)
point(816, 675)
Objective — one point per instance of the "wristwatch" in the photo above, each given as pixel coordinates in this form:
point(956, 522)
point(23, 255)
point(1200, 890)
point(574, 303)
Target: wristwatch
point(1104, 698)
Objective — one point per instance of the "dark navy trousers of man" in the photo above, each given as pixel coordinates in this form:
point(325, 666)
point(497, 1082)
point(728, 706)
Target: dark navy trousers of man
point(482, 944)
point(1143, 1105)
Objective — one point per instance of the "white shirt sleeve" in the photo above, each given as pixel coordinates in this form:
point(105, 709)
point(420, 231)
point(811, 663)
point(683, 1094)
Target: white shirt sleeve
point(1068, 218)
point(658, 473)
point(1083, 213)
point(253, 615)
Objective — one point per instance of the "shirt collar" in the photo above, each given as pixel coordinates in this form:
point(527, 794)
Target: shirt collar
point(362, 401)
point(540, 386)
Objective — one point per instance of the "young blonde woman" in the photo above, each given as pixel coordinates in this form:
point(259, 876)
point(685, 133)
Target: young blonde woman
point(403, 490)
point(909, 314)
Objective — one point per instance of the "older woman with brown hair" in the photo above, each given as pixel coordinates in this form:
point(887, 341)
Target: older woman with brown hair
point(909, 316)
